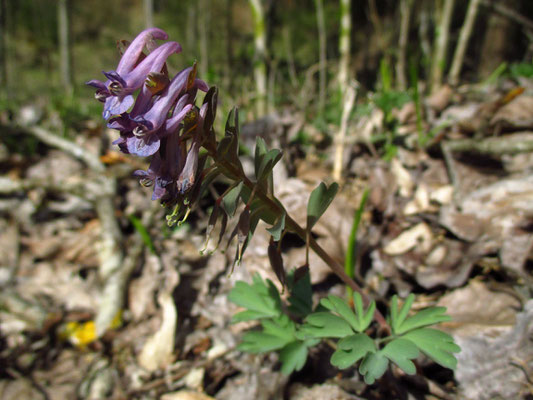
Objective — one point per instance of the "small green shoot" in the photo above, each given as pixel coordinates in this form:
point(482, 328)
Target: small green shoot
point(141, 229)
point(349, 261)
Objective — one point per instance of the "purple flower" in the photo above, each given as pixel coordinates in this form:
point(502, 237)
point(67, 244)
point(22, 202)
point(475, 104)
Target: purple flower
point(120, 87)
point(129, 59)
point(163, 122)
point(157, 114)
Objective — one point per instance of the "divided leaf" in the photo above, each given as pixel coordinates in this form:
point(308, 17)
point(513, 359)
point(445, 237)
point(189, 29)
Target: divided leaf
point(360, 320)
point(336, 304)
point(351, 349)
point(428, 316)
point(293, 357)
point(373, 367)
point(364, 318)
point(401, 352)
point(326, 325)
point(260, 299)
point(437, 345)
point(319, 201)
point(400, 323)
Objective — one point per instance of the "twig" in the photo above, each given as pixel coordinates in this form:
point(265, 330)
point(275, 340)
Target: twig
point(180, 373)
point(464, 36)
point(494, 146)
point(322, 55)
point(509, 13)
point(349, 100)
point(67, 146)
point(405, 14)
point(438, 63)
point(113, 271)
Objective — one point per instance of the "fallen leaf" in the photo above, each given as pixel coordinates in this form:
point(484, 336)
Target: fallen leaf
point(418, 235)
point(158, 351)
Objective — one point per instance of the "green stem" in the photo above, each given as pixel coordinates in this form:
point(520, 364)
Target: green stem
point(293, 226)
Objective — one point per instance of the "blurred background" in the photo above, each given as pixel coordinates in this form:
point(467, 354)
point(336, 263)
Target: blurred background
point(426, 105)
point(50, 48)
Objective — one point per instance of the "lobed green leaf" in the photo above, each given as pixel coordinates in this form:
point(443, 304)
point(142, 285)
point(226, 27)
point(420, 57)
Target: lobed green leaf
point(373, 367)
point(437, 345)
point(401, 352)
point(293, 357)
point(325, 324)
point(338, 305)
point(260, 299)
point(351, 349)
point(261, 342)
point(428, 316)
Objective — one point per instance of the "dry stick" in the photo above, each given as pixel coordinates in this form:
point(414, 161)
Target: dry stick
point(319, 4)
point(439, 56)
point(464, 36)
point(293, 226)
point(260, 55)
point(509, 13)
point(405, 12)
point(349, 100)
point(113, 271)
point(203, 26)
point(65, 54)
point(344, 44)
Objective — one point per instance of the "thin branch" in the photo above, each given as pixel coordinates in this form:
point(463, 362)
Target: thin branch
point(67, 146)
point(349, 101)
point(438, 64)
point(509, 13)
point(464, 36)
point(405, 16)
point(322, 55)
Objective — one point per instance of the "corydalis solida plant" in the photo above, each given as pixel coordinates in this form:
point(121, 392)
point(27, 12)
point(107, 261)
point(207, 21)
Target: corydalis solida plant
point(164, 122)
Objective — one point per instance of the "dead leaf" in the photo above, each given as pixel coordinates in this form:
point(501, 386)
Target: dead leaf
point(185, 395)
point(418, 236)
point(518, 114)
point(158, 351)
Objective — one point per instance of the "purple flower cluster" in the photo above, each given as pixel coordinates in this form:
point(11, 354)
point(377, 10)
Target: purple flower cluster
point(163, 120)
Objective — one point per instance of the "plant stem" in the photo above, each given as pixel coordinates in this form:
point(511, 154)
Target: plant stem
point(293, 226)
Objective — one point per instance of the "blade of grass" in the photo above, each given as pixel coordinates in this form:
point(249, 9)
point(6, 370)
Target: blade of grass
point(141, 229)
point(349, 261)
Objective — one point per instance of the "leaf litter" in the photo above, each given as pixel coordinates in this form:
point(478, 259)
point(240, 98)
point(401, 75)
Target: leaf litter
point(452, 224)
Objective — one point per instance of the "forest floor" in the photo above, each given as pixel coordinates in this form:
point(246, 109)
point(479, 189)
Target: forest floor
point(451, 222)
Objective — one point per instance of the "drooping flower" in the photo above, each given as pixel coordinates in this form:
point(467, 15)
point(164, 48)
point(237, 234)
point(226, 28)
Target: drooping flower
point(163, 121)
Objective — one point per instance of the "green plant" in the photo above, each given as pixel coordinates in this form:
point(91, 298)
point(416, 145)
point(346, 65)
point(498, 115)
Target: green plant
point(187, 155)
point(291, 329)
point(349, 261)
point(524, 69)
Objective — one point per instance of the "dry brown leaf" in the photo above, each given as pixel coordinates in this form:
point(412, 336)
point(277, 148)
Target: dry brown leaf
point(158, 351)
point(419, 236)
point(185, 395)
